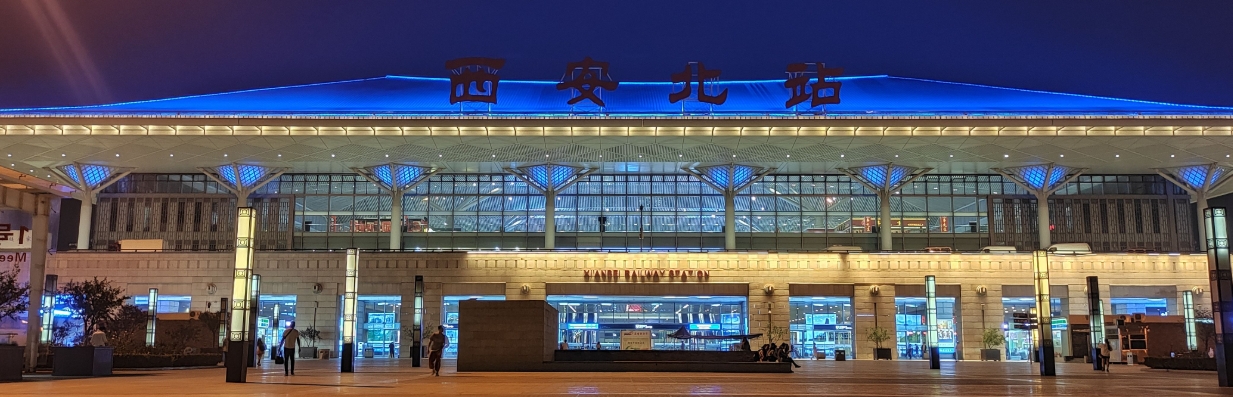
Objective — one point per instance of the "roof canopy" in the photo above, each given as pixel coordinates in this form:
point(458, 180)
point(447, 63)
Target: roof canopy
point(417, 97)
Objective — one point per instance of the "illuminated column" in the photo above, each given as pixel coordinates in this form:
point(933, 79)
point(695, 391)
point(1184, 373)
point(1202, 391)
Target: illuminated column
point(417, 322)
point(1095, 320)
point(89, 180)
point(396, 179)
point(254, 310)
point(1041, 180)
point(931, 320)
point(1192, 341)
point(224, 318)
point(550, 179)
point(1044, 310)
point(349, 305)
point(884, 180)
point(241, 297)
point(1199, 181)
point(242, 179)
point(1222, 290)
point(41, 228)
point(151, 316)
point(49, 305)
point(729, 180)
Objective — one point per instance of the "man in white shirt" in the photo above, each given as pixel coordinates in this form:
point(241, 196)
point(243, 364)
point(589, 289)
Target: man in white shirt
point(291, 338)
point(98, 338)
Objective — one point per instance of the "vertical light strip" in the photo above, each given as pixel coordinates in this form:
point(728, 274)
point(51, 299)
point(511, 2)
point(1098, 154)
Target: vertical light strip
point(151, 316)
point(49, 306)
point(417, 322)
point(1096, 320)
point(1192, 341)
point(349, 295)
point(931, 310)
point(1044, 311)
point(1221, 276)
point(223, 317)
point(241, 289)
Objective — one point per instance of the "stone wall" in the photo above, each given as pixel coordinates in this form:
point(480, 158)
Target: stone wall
point(532, 275)
point(517, 335)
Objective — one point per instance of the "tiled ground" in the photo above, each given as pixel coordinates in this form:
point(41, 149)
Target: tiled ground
point(375, 377)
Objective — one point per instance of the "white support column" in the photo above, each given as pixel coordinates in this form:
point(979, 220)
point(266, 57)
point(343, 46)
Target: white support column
point(884, 219)
point(396, 220)
point(1200, 203)
point(1042, 221)
point(38, 272)
point(729, 221)
point(84, 222)
point(550, 219)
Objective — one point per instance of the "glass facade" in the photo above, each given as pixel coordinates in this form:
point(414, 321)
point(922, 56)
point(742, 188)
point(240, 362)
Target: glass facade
point(1148, 306)
point(276, 313)
point(648, 211)
point(821, 324)
point(166, 303)
point(378, 325)
point(596, 322)
point(1019, 342)
point(449, 319)
point(911, 328)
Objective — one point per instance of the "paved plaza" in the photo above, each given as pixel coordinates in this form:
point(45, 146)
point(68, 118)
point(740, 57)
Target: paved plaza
point(378, 377)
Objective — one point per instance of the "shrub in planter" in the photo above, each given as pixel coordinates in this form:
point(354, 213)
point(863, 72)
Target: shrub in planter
point(992, 339)
point(878, 336)
point(313, 335)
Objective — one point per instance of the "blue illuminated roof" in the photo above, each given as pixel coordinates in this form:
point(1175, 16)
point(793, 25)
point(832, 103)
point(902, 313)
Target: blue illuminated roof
point(1200, 177)
point(885, 176)
point(551, 177)
point(1042, 177)
point(410, 97)
point(734, 177)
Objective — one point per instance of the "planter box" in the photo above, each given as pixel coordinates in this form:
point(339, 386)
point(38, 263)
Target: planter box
point(81, 361)
point(11, 359)
point(308, 352)
point(882, 354)
point(166, 361)
point(990, 354)
point(1191, 364)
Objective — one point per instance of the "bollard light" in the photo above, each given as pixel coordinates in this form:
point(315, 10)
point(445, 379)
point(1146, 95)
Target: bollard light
point(241, 297)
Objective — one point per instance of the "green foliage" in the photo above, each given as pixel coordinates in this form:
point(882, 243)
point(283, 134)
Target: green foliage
point(877, 335)
point(312, 334)
point(992, 338)
point(126, 330)
point(776, 334)
point(93, 301)
point(14, 297)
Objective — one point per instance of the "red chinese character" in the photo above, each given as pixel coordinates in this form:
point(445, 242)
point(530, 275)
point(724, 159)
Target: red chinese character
point(798, 82)
point(474, 79)
point(686, 76)
point(585, 77)
point(6, 232)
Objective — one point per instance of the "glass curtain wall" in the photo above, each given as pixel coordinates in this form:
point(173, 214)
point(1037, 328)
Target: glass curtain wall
point(450, 319)
point(642, 211)
point(911, 328)
point(1019, 343)
point(821, 324)
point(378, 325)
point(1146, 306)
point(596, 322)
point(166, 303)
point(274, 316)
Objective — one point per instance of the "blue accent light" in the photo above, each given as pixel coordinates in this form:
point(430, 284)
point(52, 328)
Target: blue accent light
point(228, 174)
point(539, 175)
point(1196, 176)
point(560, 175)
point(729, 177)
point(72, 173)
point(897, 173)
point(719, 175)
point(863, 97)
point(94, 174)
point(875, 175)
point(1044, 176)
point(406, 175)
point(382, 172)
point(741, 174)
point(251, 174)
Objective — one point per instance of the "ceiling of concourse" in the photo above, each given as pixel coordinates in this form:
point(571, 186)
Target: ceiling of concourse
point(632, 153)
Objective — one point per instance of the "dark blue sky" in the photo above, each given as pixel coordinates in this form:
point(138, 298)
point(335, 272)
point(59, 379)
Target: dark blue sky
point(83, 52)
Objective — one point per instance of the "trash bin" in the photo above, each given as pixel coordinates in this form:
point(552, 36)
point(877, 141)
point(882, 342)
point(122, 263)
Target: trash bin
point(1130, 359)
point(369, 353)
point(841, 355)
point(323, 353)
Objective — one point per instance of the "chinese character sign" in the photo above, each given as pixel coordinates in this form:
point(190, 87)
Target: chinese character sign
point(15, 237)
point(585, 77)
point(821, 92)
point(702, 75)
point(474, 79)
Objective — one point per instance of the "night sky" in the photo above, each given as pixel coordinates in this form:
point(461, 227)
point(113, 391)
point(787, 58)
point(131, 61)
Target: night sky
point(87, 52)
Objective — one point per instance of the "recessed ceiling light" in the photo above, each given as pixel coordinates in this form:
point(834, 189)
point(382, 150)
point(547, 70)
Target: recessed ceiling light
point(1117, 155)
point(172, 155)
point(1061, 155)
point(841, 155)
point(224, 154)
point(117, 154)
point(61, 154)
point(896, 155)
point(331, 154)
point(952, 155)
point(387, 155)
point(789, 155)
point(734, 155)
point(280, 155)
point(1005, 155)
point(496, 156)
point(1171, 155)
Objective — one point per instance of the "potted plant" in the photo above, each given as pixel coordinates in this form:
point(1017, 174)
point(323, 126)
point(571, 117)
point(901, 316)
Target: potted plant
point(878, 336)
point(992, 338)
point(312, 334)
point(14, 299)
point(95, 302)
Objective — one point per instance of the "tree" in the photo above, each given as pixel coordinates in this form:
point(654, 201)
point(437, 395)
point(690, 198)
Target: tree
point(94, 301)
point(14, 297)
point(126, 329)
